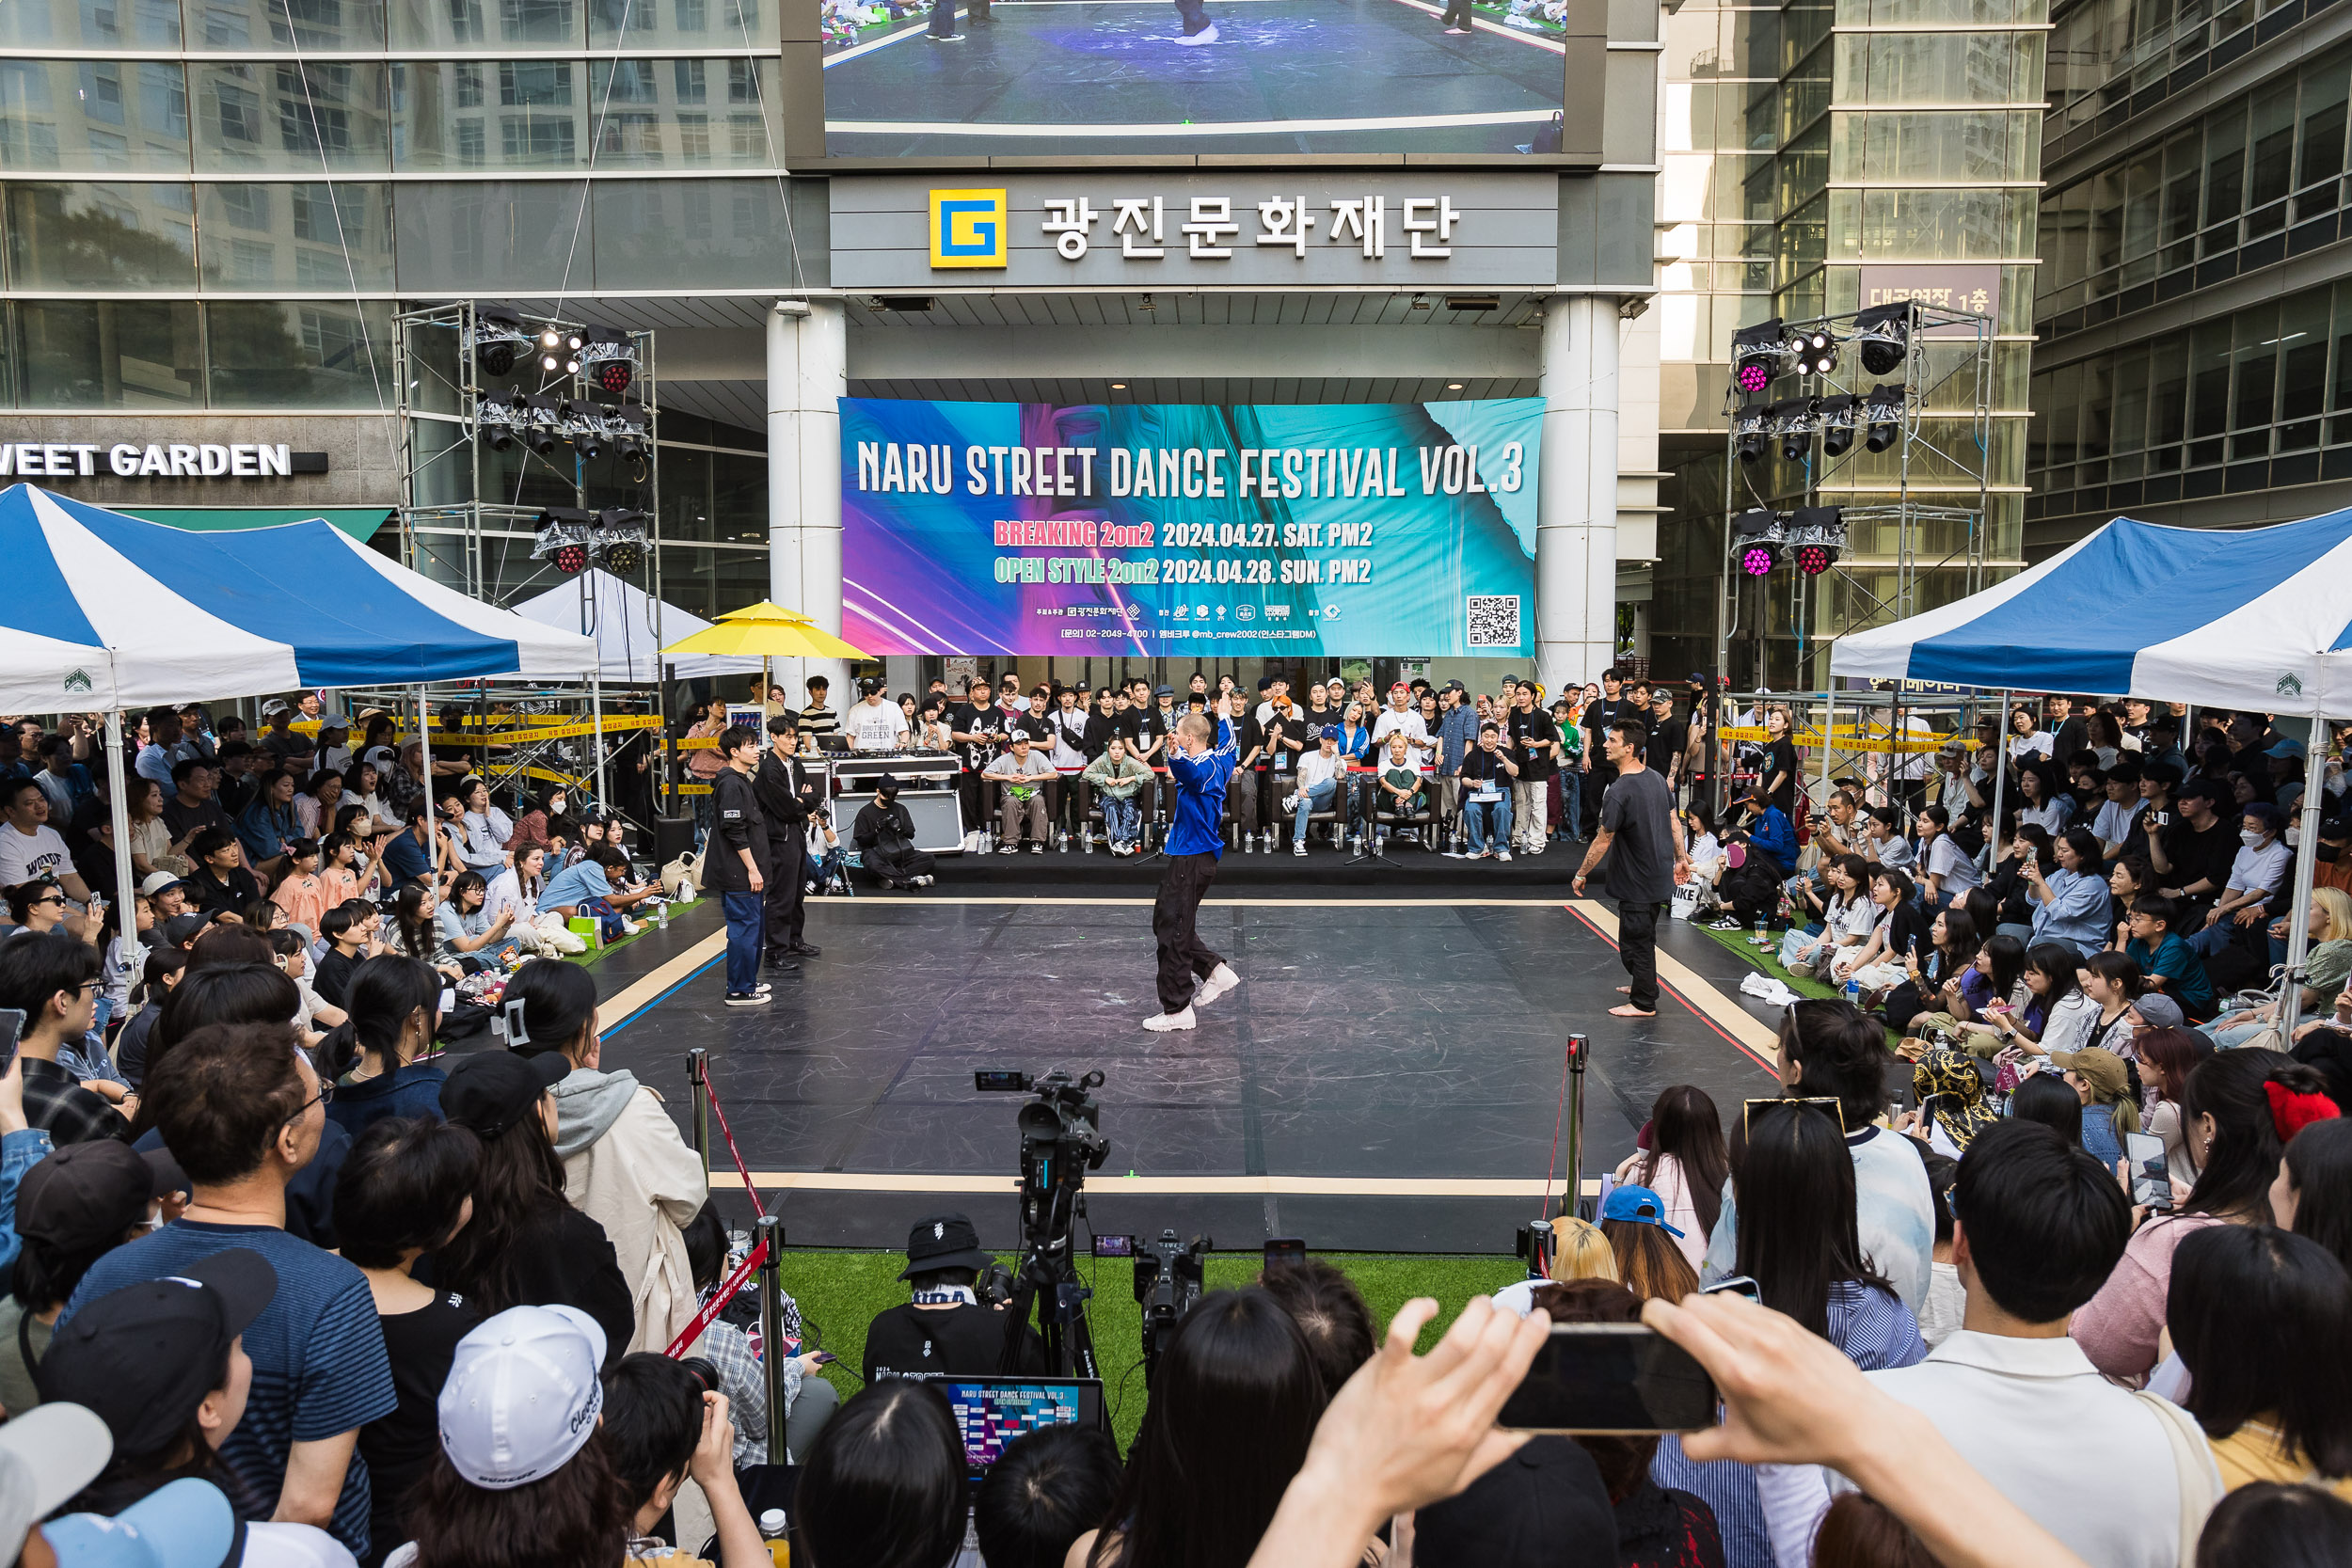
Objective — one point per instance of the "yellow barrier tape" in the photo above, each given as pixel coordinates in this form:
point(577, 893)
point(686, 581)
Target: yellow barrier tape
point(1846, 740)
point(613, 724)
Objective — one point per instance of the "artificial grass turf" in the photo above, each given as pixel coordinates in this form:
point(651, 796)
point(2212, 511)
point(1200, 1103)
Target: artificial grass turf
point(840, 1292)
point(1768, 959)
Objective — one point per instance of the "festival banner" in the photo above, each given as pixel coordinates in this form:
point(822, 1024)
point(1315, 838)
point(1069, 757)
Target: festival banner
point(1161, 528)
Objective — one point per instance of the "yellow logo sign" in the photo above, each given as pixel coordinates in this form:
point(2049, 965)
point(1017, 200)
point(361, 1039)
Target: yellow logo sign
point(968, 229)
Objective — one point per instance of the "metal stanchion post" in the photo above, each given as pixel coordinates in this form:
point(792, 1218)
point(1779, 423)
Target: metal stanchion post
point(1578, 1049)
point(769, 1233)
point(698, 1075)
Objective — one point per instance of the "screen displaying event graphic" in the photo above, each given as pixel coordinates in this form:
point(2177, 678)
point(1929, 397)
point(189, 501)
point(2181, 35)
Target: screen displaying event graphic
point(1156, 528)
point(1113, 77)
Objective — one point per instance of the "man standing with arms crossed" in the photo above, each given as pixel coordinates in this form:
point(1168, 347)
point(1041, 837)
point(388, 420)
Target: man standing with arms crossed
point(1638, 829)
point(1195, 840)
point(786, 797)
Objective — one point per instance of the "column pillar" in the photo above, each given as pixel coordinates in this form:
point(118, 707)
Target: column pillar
point(1576, 529)
point(807, 370)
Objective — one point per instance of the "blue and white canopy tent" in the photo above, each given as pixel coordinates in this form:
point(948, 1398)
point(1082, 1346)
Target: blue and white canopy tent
point(2257, 619)
point(112, 612)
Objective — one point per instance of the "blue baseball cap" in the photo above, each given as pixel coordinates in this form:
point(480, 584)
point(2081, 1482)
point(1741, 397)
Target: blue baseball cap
point(1328, 732)
point(1640, 1205)
point(187, 1524)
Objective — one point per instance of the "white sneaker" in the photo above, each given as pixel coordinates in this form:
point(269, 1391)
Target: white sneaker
point(1160, 1024)
point(1008, 848)
point(1206, 35)
point(632, 927)
point(1300, 849)
point(1503, 854)
point(1290, 804)
point(1221, 979)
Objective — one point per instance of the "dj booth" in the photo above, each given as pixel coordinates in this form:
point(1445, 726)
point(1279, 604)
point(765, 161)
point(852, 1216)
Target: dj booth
point(927, 787)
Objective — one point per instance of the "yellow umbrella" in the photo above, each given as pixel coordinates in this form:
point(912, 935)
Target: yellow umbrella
point(766, 630)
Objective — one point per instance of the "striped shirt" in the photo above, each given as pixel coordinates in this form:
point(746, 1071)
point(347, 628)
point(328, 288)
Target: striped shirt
point(319, 1367)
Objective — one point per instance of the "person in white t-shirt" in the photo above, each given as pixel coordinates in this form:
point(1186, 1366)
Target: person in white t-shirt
point(874, 723)
point(30, 848)
point(1400, 715)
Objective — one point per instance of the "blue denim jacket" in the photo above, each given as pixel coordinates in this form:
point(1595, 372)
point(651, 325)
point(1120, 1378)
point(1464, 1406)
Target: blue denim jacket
point(1458, 732)
point(19, 1153)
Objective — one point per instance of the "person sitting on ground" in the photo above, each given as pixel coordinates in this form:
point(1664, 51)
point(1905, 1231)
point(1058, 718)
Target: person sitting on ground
point(2240, 1109)
point(1329, 1310)
point(52, 979)
point(728, 1345)
point(394, 1012)
point(525, 1245)
point(2256, 873)
point(1049, 1486)
point(586, 888)
point(884, 835)
point(662, 1428)
point(944, 1331)
point(220, 880)
point(1684, 1161)
point(1832, 1050)
point(2110, 1112)
point(2253, 1312)
point(625, 1165)
point(884, 1484)
point(73, 1207)
point(2038, 1227)
point(163, 1363)
point(2154, 944)
point(1847, 919)
point(241, 1111)
point(1649, 1257)
point(1234, 1401)
point(1114, 777)
point(406, 1190)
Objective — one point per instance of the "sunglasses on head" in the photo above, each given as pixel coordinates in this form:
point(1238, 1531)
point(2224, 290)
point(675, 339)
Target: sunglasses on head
point(1828, 1105)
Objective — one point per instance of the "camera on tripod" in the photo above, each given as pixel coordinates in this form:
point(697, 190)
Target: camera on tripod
point(1169, 1280)
point(1061, 1139)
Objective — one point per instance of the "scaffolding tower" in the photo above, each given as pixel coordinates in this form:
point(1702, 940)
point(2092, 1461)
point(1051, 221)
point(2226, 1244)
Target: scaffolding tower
point(1912, 511)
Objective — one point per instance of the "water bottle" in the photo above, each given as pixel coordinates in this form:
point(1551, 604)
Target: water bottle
point(1062, 843)
point(1853, 993)
point(773, 1527)
point(1760, 939)
point(661, 915)
point(1086, 839)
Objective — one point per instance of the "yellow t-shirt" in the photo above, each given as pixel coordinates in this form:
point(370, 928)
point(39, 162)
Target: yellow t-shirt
point(2252, 1454)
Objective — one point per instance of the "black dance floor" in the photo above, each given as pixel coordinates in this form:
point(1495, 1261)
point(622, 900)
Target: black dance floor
point(1372, 1049)
point(1062, 76)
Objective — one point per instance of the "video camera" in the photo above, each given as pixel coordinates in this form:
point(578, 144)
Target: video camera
point(1168, 1280)
point(1061, 1139)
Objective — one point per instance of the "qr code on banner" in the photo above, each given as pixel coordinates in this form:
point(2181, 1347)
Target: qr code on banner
point(1494, 620)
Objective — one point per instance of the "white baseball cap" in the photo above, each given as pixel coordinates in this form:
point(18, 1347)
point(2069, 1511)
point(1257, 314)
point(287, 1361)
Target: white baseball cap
point(46, 1455)
point(522, 1395)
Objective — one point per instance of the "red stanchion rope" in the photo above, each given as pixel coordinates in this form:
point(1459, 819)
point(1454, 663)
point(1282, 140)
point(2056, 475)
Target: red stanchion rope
point(729, 1288)
point(728, 1132)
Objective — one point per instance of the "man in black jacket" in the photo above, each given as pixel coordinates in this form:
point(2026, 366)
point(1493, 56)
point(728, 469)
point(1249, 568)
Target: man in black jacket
point(885, 835)
point(787, 796)
point(736, 862)
point(946, 1331)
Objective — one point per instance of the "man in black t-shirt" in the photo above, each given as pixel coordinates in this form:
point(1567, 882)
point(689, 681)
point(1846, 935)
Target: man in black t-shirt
point(2192, 857)
point(1668, 737)
point(1535, 745)
point(1639, 840)
point(1597, 774)
point(975, 729)
point(946, 1331)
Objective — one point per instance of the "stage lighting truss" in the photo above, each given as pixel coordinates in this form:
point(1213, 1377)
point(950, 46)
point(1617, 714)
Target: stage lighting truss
point(499, 337)
point(620, 540)
point(1759, 354)
point(1884, 332)
point(565, 536)
point(610, 357)
point(1815, 537)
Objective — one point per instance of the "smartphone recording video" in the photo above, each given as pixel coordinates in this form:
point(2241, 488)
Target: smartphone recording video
point(1598, 1379)
point(2151, 1180)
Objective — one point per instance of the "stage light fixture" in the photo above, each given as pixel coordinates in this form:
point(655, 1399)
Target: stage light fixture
point(564, 535)
point(1815, 352)
point(1838, 416)
point(499, 334)
point(1816, 536)
point(1884, 333)
point(1813, 559)
point(1883, 410)
point(1795, 419)
point(620, 540)
point(609, 356)
point(546, 419)
point(1751, 424)
point(1758, 355)
point(1756, 561)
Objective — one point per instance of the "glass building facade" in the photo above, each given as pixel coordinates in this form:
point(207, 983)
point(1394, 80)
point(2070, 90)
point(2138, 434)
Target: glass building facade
point(212, 206)
point(2193, 227)
point(1849, 144)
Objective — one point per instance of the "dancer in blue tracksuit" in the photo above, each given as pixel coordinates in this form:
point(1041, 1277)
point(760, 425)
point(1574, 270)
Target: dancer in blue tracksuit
point(1195, 841)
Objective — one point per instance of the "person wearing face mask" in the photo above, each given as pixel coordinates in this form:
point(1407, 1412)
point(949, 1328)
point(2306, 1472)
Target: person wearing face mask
point(2261, 866)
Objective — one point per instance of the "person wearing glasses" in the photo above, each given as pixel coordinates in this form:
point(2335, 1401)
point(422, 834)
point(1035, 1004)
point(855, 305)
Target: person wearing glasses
point(52, 978)
point(244, 1113)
